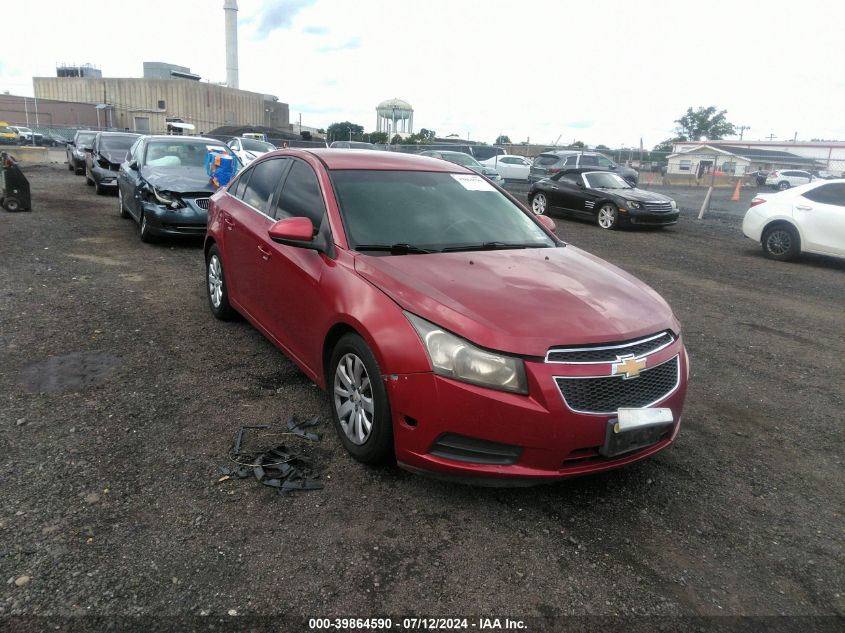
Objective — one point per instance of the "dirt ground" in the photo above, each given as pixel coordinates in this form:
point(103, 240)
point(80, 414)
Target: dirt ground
point(112, 505)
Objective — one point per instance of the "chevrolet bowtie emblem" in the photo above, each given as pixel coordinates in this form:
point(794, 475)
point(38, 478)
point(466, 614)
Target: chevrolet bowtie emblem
point(628, 366)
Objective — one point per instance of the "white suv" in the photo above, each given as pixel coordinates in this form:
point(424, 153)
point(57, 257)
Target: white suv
point(786, 178)
point(807, 219)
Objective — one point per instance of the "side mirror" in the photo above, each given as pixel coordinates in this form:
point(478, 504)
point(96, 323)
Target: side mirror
point(547, 222)
point(580, 183)
point(297, 229)
point(133, 165)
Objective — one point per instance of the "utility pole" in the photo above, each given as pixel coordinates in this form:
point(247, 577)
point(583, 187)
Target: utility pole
point(771, 137)
point(742, 129)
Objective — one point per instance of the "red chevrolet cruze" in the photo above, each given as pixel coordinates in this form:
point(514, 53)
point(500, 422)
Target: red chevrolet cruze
point(451, 328)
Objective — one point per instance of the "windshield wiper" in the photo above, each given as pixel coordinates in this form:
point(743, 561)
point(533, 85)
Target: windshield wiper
point(395, 249)
point(494, 246)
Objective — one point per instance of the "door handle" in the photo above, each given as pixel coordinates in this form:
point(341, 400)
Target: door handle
point(229, 222)
point(553, 187)
point(265, 252)
point(803, 207)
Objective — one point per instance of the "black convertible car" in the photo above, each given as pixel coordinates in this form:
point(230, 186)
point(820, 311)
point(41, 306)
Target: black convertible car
point(601, 196)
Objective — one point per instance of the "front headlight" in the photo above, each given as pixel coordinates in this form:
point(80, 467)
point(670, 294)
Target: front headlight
point(632, 204)
point(674, 204)
point(165, 198)
point(457, 358)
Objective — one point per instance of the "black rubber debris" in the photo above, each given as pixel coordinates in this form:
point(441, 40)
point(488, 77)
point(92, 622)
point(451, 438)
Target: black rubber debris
point(275, 466)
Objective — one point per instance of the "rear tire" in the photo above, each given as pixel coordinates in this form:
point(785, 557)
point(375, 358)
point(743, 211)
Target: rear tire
point(11, 204)
point(783, 185)
point(121, 209)
point(358, 399)
point(70, 166)
point(98, 189)
point(781, 242)
point(539, 203)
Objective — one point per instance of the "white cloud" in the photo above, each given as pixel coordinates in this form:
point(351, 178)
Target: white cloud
point(608, 72)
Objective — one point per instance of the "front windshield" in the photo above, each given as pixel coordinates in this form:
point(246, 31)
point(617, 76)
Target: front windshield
point(252, 145)
point(430, 210)
point(117, 143)
point(171, 154)
point(461, 159)
point(605, 181)
point(85, 140)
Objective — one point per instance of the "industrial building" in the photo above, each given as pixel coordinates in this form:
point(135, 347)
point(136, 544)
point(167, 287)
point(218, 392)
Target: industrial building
point(46, 113)
point(168, 97)
point(145, 105)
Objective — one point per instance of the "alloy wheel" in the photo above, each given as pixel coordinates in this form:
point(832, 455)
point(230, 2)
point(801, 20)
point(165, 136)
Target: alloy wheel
point(538, 204)
point(353, 398)
point(215, 281)
point(778, 242)
point(607, 216)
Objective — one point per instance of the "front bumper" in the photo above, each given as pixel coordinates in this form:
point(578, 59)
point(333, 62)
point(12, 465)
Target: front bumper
point(104, 177)
point(647, 218)
point(188, 221)
point(545, 439)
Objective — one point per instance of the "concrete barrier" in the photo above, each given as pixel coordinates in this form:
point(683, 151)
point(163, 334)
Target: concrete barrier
point(27, 154)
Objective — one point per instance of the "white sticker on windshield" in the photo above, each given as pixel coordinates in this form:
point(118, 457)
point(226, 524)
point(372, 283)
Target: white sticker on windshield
point(215, 148)
point(473, 183)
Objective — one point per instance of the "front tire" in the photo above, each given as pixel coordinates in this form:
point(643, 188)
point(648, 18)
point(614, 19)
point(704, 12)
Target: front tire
point(360, 409)
point(781, 242)
point(216, 286)
point(608, 216)
point(539, 203)
point(88, 180)
point(783, 185)
point(144, 230)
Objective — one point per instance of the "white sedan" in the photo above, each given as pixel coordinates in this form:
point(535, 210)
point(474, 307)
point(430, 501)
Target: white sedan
point(805, 219)
point(248, 149)
point(509, 167)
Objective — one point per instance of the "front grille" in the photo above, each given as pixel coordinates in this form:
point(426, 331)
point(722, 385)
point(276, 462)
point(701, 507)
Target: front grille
point(657, 206)
point(202, 203)
point(607, 394)
point(610, 352)
point(461, 448)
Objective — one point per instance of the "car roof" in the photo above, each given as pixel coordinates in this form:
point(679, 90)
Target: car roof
point(118, 133)
point(178, 137)
point(374, 159)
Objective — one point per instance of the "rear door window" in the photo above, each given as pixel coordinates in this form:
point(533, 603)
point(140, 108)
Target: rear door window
point(589, 161)
point(263, 183)
point(828, 194)
point(545, 159)
point(571, 161)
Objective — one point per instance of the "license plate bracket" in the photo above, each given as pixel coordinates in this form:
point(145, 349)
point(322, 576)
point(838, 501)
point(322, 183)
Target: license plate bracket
point(635, 429)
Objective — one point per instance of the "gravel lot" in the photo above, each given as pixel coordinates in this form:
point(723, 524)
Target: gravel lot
point(112, 504)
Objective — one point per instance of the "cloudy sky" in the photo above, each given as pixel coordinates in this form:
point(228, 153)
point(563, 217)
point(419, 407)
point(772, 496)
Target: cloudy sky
point(608, 72)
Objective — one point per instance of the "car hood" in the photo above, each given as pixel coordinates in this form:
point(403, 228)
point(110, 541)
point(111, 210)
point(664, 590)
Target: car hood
point(640, 195)
point(521, 301)
point(116, 157)
point(179, 179)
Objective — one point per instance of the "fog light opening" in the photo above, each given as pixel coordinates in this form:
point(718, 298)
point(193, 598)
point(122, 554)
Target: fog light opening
point(411, 422)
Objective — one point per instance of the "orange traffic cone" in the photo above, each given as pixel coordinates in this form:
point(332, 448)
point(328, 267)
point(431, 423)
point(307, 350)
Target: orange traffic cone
point(735, 197)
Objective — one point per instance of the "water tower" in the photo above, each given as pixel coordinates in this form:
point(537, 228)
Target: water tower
point(394, 115)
